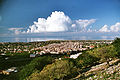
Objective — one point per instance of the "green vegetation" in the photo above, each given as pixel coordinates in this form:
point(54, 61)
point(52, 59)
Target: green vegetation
point(49, 67)
point(104, 53)
point(57, 70)
point(17, 60)
point(60, 70)
point(85, 60)
point(116, 44)
point(36, 64)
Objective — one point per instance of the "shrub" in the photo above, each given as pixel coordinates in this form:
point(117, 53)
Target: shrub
point(57, 70)
point(85, 60)
point(106, 53)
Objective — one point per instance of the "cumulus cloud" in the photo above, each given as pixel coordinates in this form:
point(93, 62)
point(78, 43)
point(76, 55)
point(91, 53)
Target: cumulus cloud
point(58, 22)
point(16, 30)
point(113, 28)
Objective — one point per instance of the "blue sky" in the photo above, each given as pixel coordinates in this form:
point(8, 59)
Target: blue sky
point(22, 13)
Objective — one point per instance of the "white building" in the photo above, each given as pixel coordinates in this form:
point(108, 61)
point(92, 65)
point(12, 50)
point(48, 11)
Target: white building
point(74, 56)
point(32, 55)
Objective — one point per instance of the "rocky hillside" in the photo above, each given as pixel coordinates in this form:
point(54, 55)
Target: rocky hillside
point(102, 71)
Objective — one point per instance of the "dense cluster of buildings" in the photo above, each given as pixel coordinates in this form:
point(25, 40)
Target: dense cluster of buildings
point(53, 48)
point(62, 47)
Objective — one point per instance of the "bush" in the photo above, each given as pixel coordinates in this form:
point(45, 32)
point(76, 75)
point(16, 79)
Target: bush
point(85, 60)
point(104, 53)
point(57, 70)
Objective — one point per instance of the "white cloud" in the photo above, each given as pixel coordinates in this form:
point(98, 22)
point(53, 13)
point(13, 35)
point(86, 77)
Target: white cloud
point(85, 23)
point(104, 29)
point(16, 30)
point(81, 25)
point(57, 22)
point(113, 28)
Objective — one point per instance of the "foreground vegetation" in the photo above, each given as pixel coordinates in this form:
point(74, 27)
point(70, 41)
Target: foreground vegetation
point(69, 68)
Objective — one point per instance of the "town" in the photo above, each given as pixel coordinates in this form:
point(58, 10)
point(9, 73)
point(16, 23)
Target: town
point(22, 53)
point(52, 47)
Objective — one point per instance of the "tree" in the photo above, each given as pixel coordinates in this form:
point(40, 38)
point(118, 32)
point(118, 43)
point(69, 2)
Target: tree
point(85, 59)
point(36, 64)
point(57, 70)
point(116, 44)
point(107, 52)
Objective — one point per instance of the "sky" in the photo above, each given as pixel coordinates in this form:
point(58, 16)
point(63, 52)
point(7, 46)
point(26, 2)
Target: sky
point(26, 17)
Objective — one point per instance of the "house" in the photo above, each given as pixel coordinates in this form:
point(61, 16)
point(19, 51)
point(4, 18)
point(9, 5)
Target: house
point(60, 58)
point(43, 52)
point(54, 52)
point(12, 69)
point(6, 58)
point(8, 71)
point(74, 56)
point(32, 55)
point(91, 47)
point(2, 54)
